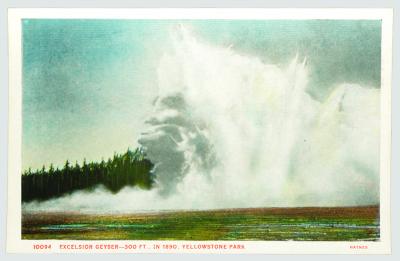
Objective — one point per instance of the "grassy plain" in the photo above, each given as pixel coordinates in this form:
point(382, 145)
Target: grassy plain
point(308, 224)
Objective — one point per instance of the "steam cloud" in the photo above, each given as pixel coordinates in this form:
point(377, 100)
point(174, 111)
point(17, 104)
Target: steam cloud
point(230, 131)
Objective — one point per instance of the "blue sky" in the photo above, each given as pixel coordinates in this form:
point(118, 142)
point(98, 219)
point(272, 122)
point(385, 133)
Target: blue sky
point(88, 84)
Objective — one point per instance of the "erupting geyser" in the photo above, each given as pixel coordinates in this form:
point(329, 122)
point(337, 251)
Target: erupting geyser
point(231, 131)
point(251, 134)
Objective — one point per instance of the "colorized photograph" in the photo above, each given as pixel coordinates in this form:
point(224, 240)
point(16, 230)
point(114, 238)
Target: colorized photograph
point(201, 130)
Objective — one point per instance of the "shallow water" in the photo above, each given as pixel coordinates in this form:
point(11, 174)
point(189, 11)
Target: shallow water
point(319, 224)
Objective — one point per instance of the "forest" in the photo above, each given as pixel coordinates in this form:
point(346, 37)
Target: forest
point(127, 169)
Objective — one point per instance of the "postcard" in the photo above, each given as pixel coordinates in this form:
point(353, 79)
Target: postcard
point(199, 131)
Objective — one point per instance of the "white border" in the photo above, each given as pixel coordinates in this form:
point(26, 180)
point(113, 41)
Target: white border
point(14, 242)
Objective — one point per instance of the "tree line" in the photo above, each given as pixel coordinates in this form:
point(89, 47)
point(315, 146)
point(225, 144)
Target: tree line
point(128, 169)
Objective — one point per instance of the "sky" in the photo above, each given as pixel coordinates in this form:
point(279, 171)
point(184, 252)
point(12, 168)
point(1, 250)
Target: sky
point(88, 85)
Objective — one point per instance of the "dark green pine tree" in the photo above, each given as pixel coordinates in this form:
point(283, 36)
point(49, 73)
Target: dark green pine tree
point(128, 169)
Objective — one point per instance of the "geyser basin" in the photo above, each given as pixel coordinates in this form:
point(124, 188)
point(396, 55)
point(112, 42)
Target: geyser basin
point(231, 131)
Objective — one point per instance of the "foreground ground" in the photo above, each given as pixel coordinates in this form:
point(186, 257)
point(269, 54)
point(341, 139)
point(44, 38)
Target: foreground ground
point(322, 224)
